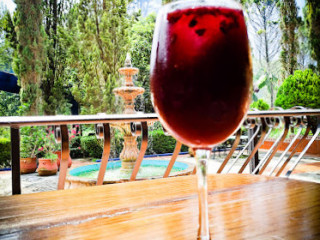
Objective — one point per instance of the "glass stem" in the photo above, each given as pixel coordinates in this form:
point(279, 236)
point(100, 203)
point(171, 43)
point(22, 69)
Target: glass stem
point(202, 165)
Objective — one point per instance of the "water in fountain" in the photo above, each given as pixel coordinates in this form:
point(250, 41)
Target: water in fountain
point(149, 169)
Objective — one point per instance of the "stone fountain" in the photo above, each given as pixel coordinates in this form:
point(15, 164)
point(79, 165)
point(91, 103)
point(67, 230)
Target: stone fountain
point(87, 175)
point(128, 92)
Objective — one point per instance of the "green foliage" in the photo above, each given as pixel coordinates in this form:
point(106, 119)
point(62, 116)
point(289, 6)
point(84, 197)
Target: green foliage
point(263, 19)
point(260, 105)
point(162, 143)
point(7, 25)
point(77, 153)
point(313, 23)
point(91, 145)
point(9, 104)
point(75, 142)
point(141, 35)
point(97, 46)
point(4, 132)
point(54, 86)
point(304, 48)
point(289, 24)
point(6, 51)
point(116, 143)
point(31, 140)
point(30, 51)
point(50, 155)
point(300, 89)
point(46, 141)
point(5, 155)
point(159, 143)
point(29, 95)
point(166, 1)
point(268, 81)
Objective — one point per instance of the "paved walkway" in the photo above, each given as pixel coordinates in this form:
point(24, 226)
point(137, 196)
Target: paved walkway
point(308, 170)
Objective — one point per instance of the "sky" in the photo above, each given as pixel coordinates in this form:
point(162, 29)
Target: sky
point(11, 5)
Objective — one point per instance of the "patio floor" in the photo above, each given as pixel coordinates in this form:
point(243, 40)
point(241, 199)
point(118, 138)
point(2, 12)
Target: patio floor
point(308, 170)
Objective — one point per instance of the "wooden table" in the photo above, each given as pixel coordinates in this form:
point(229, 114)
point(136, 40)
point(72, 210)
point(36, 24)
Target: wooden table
point(240, 207)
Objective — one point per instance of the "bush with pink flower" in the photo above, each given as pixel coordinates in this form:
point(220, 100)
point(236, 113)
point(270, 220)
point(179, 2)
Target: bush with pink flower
point(31, 141)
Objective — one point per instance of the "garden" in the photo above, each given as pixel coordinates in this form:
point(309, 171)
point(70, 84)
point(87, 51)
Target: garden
point(66, 55)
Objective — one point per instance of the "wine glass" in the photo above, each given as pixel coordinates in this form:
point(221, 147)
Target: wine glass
point(201, 78)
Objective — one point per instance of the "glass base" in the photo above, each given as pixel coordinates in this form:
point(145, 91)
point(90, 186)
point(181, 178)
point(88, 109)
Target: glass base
point(202, 157)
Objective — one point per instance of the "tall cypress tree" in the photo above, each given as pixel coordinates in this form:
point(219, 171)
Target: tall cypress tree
point(30, 52)
point(290, 47)
point(141, 35)
point(54, 84)
point(313, 23)
point(6, 52)
point(98, 49)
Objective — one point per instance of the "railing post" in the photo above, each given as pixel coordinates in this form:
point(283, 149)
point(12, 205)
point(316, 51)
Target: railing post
point(254, 161)
point(103, 132)
point(65, 153)
point(15, 159)
point(135, 129)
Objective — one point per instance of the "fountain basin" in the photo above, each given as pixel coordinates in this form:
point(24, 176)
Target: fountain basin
point(150, 169)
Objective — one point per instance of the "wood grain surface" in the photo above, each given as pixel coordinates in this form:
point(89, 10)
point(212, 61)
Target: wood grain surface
point(240, 207)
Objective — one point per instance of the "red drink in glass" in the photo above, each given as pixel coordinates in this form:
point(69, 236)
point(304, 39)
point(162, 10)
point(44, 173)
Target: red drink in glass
point(201, 74)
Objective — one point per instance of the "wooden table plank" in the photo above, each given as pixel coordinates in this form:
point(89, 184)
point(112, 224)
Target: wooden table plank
point(52, 207)
point(240, 207)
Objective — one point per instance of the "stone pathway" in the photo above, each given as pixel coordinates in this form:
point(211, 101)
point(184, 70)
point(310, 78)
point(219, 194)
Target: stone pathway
point(32, 182)
point(308, 170)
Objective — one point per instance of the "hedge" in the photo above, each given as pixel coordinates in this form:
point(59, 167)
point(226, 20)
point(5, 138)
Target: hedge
point(5, 155)
point(160, 143)
point(91, 146)
point(77, 153)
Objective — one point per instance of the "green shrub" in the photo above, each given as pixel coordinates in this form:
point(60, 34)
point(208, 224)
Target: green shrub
point(159, 143)
point(91, 146)
point(260, 105)
point(300, 89)
point(5, 155)
point(31, 139)
point(77, 153)
point(75, 142)
point(116, 143)
point(162, 143)
point(4, 132)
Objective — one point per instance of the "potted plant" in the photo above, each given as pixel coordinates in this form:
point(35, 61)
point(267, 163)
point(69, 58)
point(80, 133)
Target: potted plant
point(31, 139)
point(48, 163)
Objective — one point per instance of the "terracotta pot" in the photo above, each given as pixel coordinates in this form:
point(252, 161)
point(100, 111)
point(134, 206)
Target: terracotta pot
point(28, 165)
point(47, 167)
point(59, 159)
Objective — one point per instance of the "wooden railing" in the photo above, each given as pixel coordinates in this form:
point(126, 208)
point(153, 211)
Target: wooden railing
point(258, 123)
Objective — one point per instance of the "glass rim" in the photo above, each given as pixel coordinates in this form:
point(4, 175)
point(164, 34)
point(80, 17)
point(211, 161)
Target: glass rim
point(183, 4)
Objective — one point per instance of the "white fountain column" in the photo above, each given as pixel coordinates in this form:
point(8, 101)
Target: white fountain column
point(128, 92)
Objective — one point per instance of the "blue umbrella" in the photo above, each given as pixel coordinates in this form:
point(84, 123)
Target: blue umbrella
point(9, 82)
